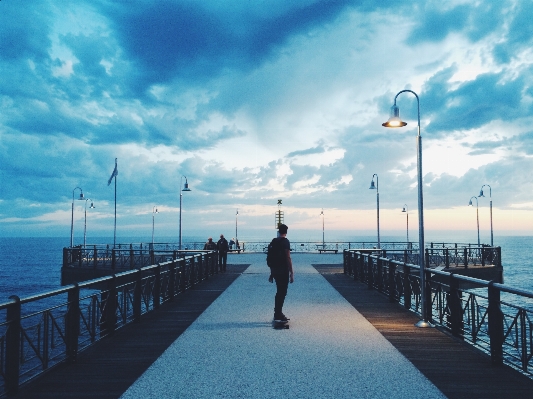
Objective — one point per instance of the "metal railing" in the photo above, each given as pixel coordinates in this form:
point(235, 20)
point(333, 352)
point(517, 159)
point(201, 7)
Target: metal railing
point(43, 330)
point(493, 317)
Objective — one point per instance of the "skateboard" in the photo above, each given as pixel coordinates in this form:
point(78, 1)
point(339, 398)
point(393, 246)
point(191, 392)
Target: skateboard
point(280, 325)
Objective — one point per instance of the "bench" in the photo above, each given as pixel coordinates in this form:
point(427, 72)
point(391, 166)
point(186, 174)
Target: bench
point(327, 250)
point(236, 250)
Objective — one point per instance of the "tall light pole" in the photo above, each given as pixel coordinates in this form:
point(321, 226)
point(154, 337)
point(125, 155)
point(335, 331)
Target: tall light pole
point(490, 195)
point(395, 121)
point(85, 224)
point(323, 242)
point(185, 188)
point(477, 216)
point(236, 236)
point(376, 187)
point(72, 219)
point(154, 211)
point(407, 214)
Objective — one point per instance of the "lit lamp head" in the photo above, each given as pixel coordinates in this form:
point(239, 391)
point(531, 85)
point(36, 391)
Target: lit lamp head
point(92, 205)
point(394, 119)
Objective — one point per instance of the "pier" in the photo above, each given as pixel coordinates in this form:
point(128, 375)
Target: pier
point(336, 345)
point(82, 263)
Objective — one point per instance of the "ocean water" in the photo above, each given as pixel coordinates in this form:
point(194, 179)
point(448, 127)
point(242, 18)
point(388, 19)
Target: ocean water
point(30, 266)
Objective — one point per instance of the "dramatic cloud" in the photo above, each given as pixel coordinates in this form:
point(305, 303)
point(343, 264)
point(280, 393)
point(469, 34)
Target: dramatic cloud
point(257, 101)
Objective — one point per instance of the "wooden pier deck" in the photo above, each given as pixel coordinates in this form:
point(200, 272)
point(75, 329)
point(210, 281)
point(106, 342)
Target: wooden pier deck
point(107, 369)
point(456, 368)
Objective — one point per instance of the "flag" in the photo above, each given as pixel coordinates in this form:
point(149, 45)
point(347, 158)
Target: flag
point(115, 173)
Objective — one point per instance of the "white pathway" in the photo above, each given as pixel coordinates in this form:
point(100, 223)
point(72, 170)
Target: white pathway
point(330, 350)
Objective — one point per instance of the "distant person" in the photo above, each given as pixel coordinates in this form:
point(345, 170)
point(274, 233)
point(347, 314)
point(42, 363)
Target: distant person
point(210, 244)
point(282, 272)
point(237, 245)
point(222, 247)
point(231, 242)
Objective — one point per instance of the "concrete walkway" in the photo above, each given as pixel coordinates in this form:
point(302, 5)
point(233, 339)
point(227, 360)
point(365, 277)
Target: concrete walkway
point(330, 350)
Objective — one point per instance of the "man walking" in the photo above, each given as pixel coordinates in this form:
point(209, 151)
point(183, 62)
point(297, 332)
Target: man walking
point(222, 247)
point(281, 272)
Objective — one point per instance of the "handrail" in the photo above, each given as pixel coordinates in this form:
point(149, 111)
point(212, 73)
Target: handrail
point(41, 331)
point(468, 307)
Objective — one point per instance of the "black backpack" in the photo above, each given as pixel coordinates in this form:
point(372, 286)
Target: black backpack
point(275, 257)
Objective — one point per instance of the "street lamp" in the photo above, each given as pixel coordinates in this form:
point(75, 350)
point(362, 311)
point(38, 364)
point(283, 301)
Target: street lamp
point(477, 216)
point(376, 187)
point(395, 121)
point(154, 211)
point(323, 242)
point(72, 219)
point(85, 225)
point(490, 195)
point(185, 188)
point(407, 214)
point(236, 236)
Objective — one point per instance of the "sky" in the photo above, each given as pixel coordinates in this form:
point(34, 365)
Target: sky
point(255, 101)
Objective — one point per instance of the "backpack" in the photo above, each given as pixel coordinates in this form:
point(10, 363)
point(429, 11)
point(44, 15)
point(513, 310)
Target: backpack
point(275, 257)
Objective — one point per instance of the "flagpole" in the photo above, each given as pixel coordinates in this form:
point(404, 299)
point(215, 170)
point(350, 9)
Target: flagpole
point(115, 232)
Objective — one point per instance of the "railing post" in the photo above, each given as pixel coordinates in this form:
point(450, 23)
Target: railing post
point(370, 274)
point(456, 312)
point(465, 258)
point(379, 266)
point(407, 286)
point(65, 257)
point(72, 323)
point(95, 260)
point(172, 280)
point(113, 259)
point(392, 281)
point(137, 296)
point(152, 256)
point(447, 258)
point(12, 365)
point(495, 325)
point(157, 287)
point(109, 314)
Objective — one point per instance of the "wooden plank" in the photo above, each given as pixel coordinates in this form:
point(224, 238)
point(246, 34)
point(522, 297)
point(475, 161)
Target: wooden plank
point(458, 369)
point(107, 369)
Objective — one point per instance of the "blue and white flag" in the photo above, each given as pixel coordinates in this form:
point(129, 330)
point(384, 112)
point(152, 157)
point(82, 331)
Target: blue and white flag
point(114, 174)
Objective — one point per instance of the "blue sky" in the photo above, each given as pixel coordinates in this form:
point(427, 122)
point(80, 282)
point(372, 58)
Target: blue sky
point(259, 100)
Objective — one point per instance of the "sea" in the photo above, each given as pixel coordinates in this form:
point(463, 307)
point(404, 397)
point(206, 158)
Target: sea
point(32, 265)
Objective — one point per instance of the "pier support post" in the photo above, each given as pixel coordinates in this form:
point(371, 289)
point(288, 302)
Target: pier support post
point(157, 287)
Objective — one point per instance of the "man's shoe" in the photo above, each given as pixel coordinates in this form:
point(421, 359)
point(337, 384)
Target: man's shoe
point(280, 317)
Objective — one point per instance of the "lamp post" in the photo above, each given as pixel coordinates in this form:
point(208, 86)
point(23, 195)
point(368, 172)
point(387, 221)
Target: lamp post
point(72, 218)
point(490, 196)
point(154, 211)
point(323, 242)
point(85, 224)
point(407, 214)
point(376, 187)
point(477, 216)
point(236, 236)
point(395, 121)
point(185, 188)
